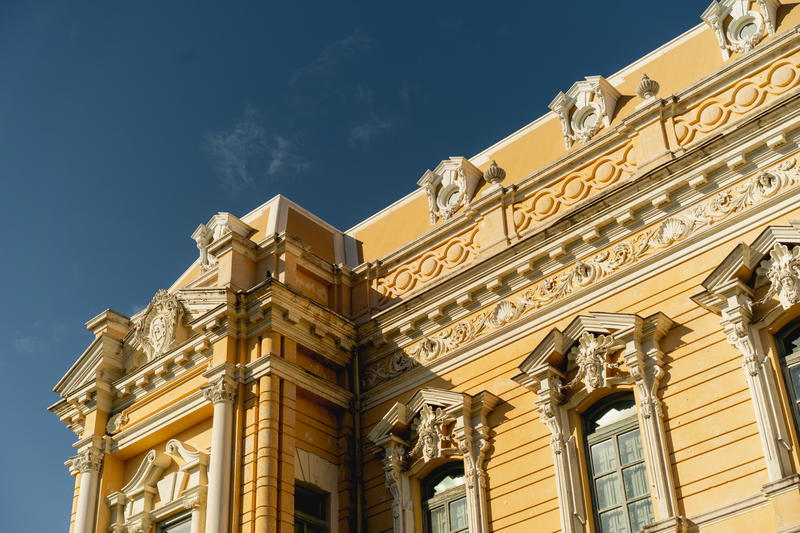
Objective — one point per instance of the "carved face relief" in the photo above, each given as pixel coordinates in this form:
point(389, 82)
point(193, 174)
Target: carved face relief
point(433, 433)
point(782, 270)
point(591, 356)
point(156, 330)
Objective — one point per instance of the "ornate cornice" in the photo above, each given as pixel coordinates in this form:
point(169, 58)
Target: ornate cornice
point(584, 273)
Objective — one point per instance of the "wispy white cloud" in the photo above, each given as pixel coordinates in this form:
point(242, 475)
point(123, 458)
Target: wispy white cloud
point(325, 63)
point(247, 151)
point(31, 344)
point(366, 130)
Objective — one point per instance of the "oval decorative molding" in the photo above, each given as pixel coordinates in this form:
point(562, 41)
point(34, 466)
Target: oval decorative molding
point(576, 186)
point(743, 97)
point(584, 273)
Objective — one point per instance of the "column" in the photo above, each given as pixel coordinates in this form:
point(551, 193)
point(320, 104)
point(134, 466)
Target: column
point(266, 511)
point(87, 465)
point(221, 394)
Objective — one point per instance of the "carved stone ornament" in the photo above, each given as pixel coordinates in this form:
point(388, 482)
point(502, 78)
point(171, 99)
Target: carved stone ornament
point(155, 332)
point(647, 88)
point(89, 460)
point(589, 270)
point(738, 29)
point(221, 390)
point(203, 236)
point(116, 422)
point(433, 433)
point(782, 269)
point(450, 186)
point(591, 357)
point(585, 108)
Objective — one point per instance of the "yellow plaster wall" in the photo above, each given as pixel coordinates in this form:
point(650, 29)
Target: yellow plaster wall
point(310, 233)
point(711, 430)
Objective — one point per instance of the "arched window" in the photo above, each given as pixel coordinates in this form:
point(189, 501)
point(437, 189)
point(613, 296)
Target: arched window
point(620, 492)
point(788, 340)
point(445, 500)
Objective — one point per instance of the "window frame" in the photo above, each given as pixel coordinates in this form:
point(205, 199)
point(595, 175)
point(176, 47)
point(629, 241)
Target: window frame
point(301, 518)
point(174, 520)
point(787, 361)
point(444, 499)
point(612, 432)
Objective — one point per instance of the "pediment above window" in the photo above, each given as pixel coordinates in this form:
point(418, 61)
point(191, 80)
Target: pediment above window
point(450, 186)
point(595, 352)
point(585, 108)
point(772, 260)
point(165, 482)
point(739, 25)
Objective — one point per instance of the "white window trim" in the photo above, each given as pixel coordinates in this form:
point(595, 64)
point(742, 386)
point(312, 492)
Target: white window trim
point(544, 371)
point(730, 292)
point(132, 509)
point(433, 427)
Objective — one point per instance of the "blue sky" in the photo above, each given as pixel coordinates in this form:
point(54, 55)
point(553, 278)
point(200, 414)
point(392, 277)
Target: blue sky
point(123, 126)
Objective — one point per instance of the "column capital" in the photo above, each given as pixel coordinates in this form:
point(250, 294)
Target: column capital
point(222, 389)
point(87, 460)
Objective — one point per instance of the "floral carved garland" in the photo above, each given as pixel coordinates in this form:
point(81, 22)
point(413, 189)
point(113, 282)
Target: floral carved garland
point(584, 273)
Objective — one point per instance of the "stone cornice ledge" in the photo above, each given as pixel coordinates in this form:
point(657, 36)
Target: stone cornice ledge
point(158, 421)
point(752, 137)
point(614, 137)
point(274, 365)
point(693, 245)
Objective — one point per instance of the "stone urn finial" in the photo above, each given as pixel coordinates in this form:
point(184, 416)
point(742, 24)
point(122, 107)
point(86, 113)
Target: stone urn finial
point(494, 174)
point(647, 89)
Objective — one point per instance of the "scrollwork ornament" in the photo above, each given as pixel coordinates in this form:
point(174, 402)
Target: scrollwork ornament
point(116, 422)
point(738, 337)
point(585, 272)
point(782, 269)
point(433, 433)
point(155, 332)
point(591, 357)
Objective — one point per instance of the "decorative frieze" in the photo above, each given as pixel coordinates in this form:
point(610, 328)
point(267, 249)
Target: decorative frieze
point(579, 184)
point(586, 272)
point(745, 95)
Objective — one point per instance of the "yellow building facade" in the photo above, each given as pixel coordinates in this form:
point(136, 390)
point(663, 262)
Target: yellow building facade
point(591, 326)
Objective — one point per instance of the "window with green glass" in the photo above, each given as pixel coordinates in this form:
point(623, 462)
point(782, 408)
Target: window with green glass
point(310, 510)
point(445, 502)
point(176, 524)
point(789, 346)
point(620, 490)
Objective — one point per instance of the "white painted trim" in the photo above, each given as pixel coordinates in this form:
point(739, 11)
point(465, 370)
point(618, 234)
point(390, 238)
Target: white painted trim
point(155, 422)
